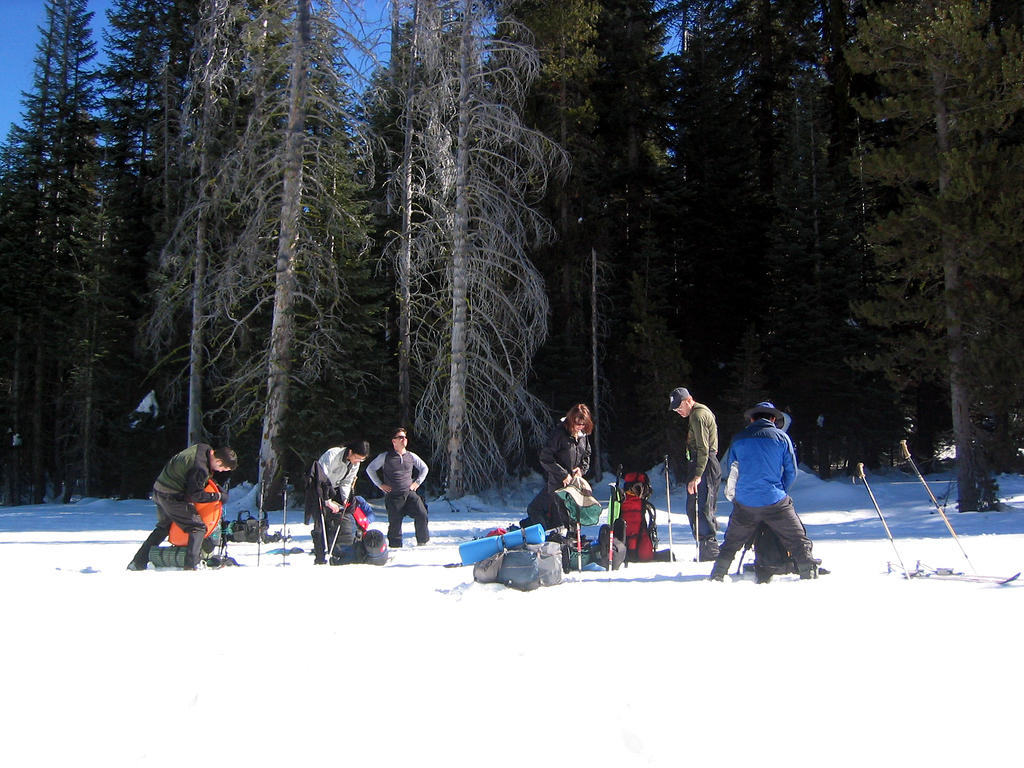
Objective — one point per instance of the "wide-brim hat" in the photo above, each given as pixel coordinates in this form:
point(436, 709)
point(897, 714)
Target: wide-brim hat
point(763, 407)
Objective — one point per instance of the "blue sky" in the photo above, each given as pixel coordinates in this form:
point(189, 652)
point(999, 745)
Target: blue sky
point(19, 35)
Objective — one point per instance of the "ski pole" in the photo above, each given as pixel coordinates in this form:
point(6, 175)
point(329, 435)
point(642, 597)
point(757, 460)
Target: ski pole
point(611, 523)
point(942, 511)
point(579, 543)
point(696, 518)
point(334, 539)
point(668, 505)
point(220, 523)
point(323, 526)
point(259, 521)
point(284, 524)
point(860, 474)
point(224, 532)
point(614, 507)
point(323, 521)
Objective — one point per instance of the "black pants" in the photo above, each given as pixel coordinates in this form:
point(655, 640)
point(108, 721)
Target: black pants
point(170, 509)
point(343, 524)
point(402, 504)
point(547, 509)
point(702, 507)
point(781, 517)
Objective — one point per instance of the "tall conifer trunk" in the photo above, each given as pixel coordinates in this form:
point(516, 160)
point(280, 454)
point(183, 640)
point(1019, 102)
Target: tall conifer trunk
point(196, 354)
point(460, 266)
point(197, 339)
point(404, 269)
point(282, 331)
point(595, 379)
point(973, 492)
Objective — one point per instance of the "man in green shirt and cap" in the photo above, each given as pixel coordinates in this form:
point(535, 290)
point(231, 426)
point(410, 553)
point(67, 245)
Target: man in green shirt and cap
point(703, 472)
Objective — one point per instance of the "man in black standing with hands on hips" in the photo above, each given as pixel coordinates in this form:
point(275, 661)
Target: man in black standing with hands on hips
point(399, 472)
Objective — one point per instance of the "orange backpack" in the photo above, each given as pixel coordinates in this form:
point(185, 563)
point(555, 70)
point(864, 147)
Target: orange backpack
point(209, 511)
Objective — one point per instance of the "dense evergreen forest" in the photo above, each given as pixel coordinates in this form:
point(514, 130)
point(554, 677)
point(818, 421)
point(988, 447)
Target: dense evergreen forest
point(288, 235)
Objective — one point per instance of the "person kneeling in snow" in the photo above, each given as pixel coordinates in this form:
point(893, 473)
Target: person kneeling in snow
point(178, 488)
point(766, 462)
point(329, 485)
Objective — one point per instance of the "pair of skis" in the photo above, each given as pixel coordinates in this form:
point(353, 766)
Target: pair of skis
point(923, 571)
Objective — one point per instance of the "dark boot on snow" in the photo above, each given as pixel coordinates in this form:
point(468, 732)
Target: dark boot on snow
point(719, 571)
point(707, 550)
point(808, 570)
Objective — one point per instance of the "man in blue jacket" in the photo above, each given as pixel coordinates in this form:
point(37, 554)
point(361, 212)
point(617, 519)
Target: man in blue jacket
point(766, 462)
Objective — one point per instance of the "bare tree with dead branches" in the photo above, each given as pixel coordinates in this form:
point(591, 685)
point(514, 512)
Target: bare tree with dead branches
point(477, 306)
point(273, 300)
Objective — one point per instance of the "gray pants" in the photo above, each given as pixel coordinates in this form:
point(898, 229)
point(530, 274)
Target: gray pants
point(781, 517)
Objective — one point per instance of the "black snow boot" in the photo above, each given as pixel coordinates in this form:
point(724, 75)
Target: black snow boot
point(141, 560)
point(719, 571)
point(708, 549)
point(808, 570)
point(193, 550)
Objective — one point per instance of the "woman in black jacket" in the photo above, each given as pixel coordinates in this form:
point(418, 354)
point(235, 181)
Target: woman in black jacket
point(565, 456)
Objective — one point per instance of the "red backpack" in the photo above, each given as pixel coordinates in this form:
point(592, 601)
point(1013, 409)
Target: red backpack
point(638, 529)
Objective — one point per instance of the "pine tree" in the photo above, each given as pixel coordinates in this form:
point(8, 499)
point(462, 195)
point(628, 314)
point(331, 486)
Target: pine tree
point(623, 214)
point(276, 215)
point(54, 198)
point(142, 92)
point(816, 263)
point(721, 213)
point(18, 207)
point(748, 385)
point(476, 304)
point(951, 89)
point(560, 104)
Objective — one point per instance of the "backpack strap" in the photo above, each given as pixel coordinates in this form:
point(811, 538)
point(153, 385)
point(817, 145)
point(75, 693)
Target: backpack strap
point(650, 514)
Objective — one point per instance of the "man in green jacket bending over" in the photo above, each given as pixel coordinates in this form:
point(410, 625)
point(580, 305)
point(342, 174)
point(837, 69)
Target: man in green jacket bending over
point(179, 486)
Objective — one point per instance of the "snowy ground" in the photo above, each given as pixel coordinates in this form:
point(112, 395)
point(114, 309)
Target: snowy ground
point(415, 663)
